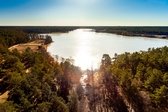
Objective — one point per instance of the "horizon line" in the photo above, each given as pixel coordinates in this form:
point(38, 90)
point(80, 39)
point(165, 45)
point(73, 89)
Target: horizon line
point(82, 26)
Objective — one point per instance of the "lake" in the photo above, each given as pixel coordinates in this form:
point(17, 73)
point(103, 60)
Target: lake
point(87, 47)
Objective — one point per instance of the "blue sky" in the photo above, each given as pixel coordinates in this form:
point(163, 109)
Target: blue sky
point(84, 12)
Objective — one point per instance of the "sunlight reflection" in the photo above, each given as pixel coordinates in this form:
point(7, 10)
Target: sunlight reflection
point(84, 60)
point(83, 57)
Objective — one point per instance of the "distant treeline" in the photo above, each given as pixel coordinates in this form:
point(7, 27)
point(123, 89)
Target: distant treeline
point(40, 29)
point(9, 37)
point(149, 31)
point(135, 31)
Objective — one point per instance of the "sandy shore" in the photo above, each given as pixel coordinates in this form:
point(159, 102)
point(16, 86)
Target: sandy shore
point(34, 45)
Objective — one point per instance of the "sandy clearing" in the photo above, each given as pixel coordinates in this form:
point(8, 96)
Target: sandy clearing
point(34, 45)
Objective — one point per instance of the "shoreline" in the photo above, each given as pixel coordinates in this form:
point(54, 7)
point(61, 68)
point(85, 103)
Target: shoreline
point(142, 31)
point(35, 46)
point(135, 34)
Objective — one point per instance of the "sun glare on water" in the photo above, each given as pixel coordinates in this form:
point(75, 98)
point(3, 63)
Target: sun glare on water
point(83, 59)
point(83, 56)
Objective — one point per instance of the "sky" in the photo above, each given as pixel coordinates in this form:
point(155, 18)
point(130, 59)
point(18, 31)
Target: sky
point(84, 12)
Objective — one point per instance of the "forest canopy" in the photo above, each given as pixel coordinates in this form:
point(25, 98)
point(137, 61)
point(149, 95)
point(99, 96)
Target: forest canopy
point(144, 72)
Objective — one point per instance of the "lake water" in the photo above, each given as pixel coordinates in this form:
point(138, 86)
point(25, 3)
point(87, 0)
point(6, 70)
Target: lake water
point(86, 47)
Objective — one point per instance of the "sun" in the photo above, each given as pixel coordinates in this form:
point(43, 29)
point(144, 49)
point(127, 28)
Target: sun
point(83, 2)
